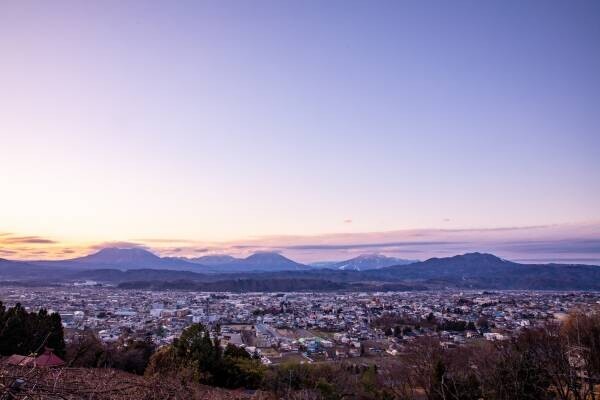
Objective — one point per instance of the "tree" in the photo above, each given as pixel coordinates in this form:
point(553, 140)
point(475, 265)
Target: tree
point(22, 332)
point(482, 323)
point(196, 354)
point(56, 338)
point(84, 350)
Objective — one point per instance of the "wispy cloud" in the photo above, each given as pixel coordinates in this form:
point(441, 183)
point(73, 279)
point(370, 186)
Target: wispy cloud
point(4, 251)
point(16, 246)
point(572, 243)
point(564, 260)
point(386, 245)
point(118, 244)
point(562, 246)
point(163, 240)
point(7, 239)
point(560, 242)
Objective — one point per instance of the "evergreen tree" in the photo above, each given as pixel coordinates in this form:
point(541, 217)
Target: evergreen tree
point(25, 333)
point(198, 355)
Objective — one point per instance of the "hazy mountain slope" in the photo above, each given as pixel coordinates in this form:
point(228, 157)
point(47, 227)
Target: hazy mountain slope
point(370, 261)
point(262, 262)
point(479, 270)
point(136, 258)
point(131, 258)
point(19, 270)
point(474, 270)
point(213, 260)
point(117, 256)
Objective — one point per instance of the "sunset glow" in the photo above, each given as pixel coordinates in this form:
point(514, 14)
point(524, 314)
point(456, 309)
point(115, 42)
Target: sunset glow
point(275, 125)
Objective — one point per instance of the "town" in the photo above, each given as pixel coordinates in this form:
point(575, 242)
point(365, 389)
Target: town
point(302, 327)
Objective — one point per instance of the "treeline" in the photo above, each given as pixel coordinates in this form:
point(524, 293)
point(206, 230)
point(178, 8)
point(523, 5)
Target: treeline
point(556, 362)
point(265, 285)
point(25, 333)
point(196, 356)
point(239, 285)
point(398, 324)
point(553, 362)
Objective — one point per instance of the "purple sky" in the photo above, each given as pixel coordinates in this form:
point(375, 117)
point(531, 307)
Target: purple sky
point(225, 123)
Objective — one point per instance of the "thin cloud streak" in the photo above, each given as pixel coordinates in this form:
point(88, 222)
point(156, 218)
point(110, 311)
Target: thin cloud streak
point(556, 246)
point(367, 245)
point(568, 260)
point(570, 243)
point(118, 244)
point(25, 240)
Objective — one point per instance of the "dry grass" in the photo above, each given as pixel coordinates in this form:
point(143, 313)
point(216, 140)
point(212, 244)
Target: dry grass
point(100, 384)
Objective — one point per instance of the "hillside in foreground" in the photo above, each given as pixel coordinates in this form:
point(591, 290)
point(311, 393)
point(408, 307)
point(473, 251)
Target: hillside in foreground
point(102, 384)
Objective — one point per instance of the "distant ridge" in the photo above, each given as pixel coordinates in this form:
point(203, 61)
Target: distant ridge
point(214, 259)
point(21, 270)
point(118, 256)
point(466, 271)
point(125, 258)
point(139, 258)
point(482, 270)
point(134, 258)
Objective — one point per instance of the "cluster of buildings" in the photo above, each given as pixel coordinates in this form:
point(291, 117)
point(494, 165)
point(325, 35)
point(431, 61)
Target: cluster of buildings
point(305, 327)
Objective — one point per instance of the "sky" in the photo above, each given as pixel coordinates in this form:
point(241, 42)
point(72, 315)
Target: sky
point(317, 129)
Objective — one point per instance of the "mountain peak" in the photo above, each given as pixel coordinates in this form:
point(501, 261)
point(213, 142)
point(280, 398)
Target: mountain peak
point(263, 261)
point(265, 256)
point(124, 250)
point(476, 256)
point(117, 255)
point(370, 261)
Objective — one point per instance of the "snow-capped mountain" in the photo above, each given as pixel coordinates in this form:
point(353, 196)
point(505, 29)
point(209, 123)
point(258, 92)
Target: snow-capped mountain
point(369, 261)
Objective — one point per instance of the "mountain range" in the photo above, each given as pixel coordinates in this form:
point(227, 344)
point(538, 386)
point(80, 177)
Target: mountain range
point(139, 258)
point(140, 268)
point(480, 270)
